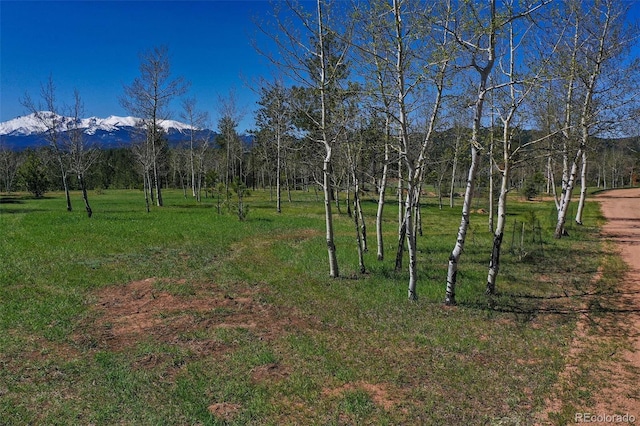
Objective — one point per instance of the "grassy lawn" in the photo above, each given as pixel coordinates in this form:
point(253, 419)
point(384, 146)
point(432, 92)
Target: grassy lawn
point(187, 316)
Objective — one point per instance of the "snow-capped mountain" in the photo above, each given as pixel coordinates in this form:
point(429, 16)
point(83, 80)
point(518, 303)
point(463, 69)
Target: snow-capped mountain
point(113, 131)
point(32, 123)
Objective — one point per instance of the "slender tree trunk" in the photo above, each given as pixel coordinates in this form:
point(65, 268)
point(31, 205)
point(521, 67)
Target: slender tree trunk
point(326, 166)
point(498, 234)
point(349, 212)
point(363, 225)
point(66, 191)
point(152, 193)
point(484, 72)
point(568, 175)
point(584, 126)
point(402, 225)
point(453, 172)
point(565, 165)
point(357, 222)
point(191, 160)
point(156, 177)
point(199, 181)
point(418, 214)
point(63, 172)
point(566, 199)
point(147, 186)
point(401, 212)
point(228, 167)
point(549, 175)
point(278, 190)
point(454, 258)
point(583, 188)
point(554, 190)
point(83, 187)
point(286, 179)
point(440, 190)
point(414, 168)
point(402, 233)
point(411, 244)
point(331, 248)
point(382, 189)
point(490, 172)
point(336, 198)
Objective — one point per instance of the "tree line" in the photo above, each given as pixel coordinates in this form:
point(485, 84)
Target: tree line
point(387, 98)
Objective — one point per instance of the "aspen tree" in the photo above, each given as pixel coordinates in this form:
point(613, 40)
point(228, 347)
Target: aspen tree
point(148, 98)
point(478, 38)
point(46, 112)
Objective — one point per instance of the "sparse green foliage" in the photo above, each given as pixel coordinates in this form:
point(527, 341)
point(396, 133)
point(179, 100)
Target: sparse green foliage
point(148, 98)
point(33, 175)
point(221, 194)
point(241, 192)
point(532, 185)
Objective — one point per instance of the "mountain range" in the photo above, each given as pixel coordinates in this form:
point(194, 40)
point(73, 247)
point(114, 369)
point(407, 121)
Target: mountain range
point(112, 132)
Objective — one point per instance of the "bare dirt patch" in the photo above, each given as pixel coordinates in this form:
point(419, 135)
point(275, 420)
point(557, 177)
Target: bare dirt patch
point(379, 393)
point(124, 316)
point(273, 372)
point(224, 410)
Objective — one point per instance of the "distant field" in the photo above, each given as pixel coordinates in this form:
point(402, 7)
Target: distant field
point(186, 316)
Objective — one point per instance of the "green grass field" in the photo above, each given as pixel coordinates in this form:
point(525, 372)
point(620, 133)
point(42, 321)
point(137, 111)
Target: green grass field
point(186, 316)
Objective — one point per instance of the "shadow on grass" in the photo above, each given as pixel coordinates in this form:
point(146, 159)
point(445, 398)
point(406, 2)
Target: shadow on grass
point(11, 200)
point(260, 219)
point(604, 308)
point(19, 210)
point(194, 206)
point(19, 198)
point(592, 303)
point(7, 201)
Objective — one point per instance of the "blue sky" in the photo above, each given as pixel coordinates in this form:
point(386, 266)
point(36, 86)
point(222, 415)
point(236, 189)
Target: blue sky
point(94, 46)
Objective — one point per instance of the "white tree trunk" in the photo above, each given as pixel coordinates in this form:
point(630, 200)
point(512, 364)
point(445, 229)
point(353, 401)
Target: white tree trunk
point(566, 198)
point(454, 258)
point(278, 172)
point(498, 234)
point(382, 189)
point(453, 172)
point(411, 243)
point(331, 247)
point(585, 121)
point(326, 167)
point(490, 171)
point(583, 188)
point(357, 217)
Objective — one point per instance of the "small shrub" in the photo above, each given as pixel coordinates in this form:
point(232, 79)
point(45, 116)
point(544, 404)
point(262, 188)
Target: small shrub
point(33, 176)
point(532, 184)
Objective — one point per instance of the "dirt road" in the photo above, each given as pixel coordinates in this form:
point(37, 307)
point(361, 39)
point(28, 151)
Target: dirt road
point(600, 383)
point(621, 208)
